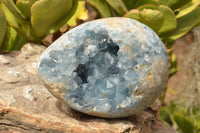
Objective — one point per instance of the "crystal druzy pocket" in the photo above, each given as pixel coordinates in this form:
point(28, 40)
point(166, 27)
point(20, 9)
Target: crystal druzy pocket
point(113, 67)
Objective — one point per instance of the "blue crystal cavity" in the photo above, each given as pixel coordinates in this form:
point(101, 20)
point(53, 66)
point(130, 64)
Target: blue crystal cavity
point(113, 67)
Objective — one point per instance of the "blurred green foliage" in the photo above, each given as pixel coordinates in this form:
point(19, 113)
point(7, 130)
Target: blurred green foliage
point(2, 26)
point(183, 113)
point(8, 35)
point(32, 20)
point(80, 14)
point(177, 115)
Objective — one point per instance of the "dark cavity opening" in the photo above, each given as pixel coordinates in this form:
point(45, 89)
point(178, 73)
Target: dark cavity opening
point(107, 45)
point(104, 44)
point(82, 72)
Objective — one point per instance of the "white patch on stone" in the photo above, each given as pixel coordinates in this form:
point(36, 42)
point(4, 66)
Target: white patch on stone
point(31, 68)
point(90, 50)
point(6, 99)
point(109, 85)
point(125, 103)
point(3, 60)
point(27, 93)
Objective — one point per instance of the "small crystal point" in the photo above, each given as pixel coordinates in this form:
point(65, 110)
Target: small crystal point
point(109, 85)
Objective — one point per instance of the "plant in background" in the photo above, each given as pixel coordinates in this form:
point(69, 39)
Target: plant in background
point(184, 113)
point(9, 39)
point(2, 27)
point(186, 120)
point(80, 14)
point(32, 20)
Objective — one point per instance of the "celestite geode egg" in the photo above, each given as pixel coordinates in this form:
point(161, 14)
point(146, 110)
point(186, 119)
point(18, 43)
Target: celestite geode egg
point(113, 67)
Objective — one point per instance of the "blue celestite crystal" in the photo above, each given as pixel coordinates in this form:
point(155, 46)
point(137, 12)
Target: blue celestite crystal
point(113, 67)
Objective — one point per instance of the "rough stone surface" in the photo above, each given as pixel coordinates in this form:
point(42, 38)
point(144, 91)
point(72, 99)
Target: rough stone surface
point(113, 67)
point(27, 107)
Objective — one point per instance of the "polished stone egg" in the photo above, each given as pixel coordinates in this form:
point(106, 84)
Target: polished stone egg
point(112, 67)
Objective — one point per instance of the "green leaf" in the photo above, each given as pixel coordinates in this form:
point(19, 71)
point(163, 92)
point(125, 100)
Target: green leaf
point(134, 14)
point(184, 25)
point(15, 11)
point(130, 4)
point(173, 65)
point(119, 6)
point(5, 41)
point(148, 6)
point(15, 41)
point(25, 7)
point(174, 4)
point(80, 14)
point(152, 18)
point(144, 2)
point(184, 123)
point(12, 41)
point(198, 121)
point(9, 16)
point(171, 107)
point(65, 18)
point(169, 22)
point(2, 26)
point(102, 7)
point(12, 21)
point(189, 7)
point(164, 114)
point(47, 13)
